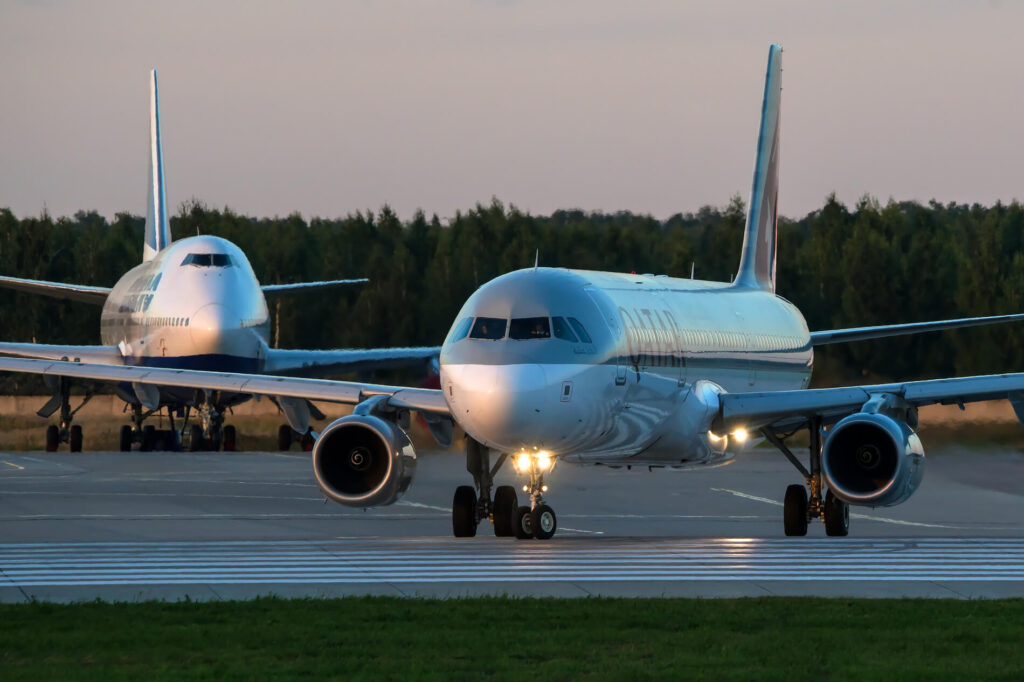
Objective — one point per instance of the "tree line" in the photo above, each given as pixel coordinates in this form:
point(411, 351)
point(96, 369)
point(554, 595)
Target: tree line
point(843, 267)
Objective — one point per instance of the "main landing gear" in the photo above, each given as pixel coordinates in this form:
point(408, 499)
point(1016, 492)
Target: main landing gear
point(472, 505)
point(66, 432)
point(803, 503)
point(286, 435)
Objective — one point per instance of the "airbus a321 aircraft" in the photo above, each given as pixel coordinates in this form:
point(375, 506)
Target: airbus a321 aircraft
point(194, 303)
point(546, 365)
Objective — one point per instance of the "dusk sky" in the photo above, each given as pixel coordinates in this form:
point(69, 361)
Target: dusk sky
point(327, 108)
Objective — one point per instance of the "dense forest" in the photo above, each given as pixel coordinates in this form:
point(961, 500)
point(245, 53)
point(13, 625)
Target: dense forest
point(842, 267)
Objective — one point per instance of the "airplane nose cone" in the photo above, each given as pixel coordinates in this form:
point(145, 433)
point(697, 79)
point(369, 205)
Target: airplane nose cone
point(508, 407)
point(215, 330)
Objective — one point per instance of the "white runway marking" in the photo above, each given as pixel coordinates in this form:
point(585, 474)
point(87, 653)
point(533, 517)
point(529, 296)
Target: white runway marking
point(436, 560)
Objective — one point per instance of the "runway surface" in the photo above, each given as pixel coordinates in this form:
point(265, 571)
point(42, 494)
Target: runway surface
point(220, 526)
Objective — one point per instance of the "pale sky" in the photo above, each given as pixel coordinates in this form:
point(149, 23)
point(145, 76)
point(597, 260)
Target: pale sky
point(327, 107)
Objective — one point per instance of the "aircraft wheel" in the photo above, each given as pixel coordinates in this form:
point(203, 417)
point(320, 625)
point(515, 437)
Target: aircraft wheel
point(75, 438)
point(230, 438)
point(284, 437)
point(307, 442)
point(544, 522)
point(464, 512)
point(52, 438)
point(195, 438)
point(523, 526)
point(837, 516)
point(126, 438)
point(148, 438)
point(794, 510)
point(505, 506)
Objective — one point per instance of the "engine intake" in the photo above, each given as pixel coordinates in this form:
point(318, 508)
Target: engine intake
point(363, 461)
point(873, 460)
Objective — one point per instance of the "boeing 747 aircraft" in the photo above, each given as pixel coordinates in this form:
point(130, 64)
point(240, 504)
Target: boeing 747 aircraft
point(547, 365)
point(194, 303)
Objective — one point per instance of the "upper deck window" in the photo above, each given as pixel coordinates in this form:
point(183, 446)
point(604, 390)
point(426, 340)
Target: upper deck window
point(523, 328)
point(562, 329)
point(492, 328)
point(207, 260)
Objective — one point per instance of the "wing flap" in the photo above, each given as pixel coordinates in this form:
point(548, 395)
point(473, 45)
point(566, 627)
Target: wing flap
point(70, 292)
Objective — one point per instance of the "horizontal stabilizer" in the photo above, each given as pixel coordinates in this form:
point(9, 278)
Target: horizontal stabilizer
point(323, 363)
point(71, 292)
point(882, 331)
point(271, 290)
point(103, 355)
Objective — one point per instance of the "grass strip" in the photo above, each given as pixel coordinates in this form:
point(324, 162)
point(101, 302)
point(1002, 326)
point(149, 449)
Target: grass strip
point(510, 639)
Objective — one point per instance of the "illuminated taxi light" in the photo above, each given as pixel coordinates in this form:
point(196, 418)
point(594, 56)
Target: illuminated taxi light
point(543, 460)
point(526, 488)
point(740, 435)
point(522, 462)
point(543, 488)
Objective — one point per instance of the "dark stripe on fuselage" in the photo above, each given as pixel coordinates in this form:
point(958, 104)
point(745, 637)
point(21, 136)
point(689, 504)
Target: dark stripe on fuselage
point(209, 363)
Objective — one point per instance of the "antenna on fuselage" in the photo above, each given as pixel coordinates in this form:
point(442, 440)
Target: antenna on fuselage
point(536, 259)
point(693, 266)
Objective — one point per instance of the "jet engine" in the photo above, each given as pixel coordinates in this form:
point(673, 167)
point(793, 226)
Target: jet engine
point(873, 460)
point(363, 461)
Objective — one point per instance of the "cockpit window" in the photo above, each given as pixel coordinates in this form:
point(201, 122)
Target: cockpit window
point(578, 326)
point(206, 260)
point(530, 328)
point(461, 330)
point(562, 329)
point(492, 328)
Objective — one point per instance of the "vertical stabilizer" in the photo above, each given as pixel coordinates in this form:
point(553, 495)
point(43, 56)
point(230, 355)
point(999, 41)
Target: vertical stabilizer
point(158, 233)
point(757, 264)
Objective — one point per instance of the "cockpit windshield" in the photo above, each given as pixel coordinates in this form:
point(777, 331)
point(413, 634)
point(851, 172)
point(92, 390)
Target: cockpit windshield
point(208, 260)
point(492, 328)
point(524, 328)
point(562, 330)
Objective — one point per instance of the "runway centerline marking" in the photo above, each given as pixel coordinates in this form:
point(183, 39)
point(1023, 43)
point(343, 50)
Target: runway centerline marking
point(867, 517)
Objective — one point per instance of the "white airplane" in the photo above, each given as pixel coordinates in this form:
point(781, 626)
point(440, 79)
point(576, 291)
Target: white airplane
point(194, 303)
point(544, 365)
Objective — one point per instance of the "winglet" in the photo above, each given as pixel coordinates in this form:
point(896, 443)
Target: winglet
point(158, 233)
point(757, 264)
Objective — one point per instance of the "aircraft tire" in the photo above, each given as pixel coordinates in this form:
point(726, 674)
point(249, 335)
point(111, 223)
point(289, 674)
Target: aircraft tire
point(464, 512)
point(506, 504)
point(544, 522)
point(52, 438)
point(195, 438)
point(794, 511)
point(148, 438)
point(837, 516)
point(75, 438)
point(523, 526)
point(126, 438)
point(230, 438)
point(284, 437)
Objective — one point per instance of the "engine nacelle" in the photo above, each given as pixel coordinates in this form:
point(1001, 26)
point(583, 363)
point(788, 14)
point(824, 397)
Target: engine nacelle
point(873, 460)
point(363, 461)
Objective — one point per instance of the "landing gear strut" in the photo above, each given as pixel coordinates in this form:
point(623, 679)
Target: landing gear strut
point(471, 505)
point(803, 504)
point(66, 432)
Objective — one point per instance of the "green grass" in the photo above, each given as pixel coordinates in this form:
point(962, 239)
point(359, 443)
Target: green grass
point(507, 639)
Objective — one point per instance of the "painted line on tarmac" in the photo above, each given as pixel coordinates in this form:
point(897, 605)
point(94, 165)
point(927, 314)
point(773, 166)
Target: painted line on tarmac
point(882, 519)
point(12, 464)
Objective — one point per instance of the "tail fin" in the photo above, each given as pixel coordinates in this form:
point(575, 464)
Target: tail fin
point(757, 264)
point(158, 233)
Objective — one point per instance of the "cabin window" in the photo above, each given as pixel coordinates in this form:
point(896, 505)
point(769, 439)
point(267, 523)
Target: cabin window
point(525, 328)
point(580, 330)
point(491, 328)
point(563, 330)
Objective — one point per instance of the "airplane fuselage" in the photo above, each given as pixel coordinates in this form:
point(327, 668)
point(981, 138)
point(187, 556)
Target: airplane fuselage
point(608, 368)
point(196, 305)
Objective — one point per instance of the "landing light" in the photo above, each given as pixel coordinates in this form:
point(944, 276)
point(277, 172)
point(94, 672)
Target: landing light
point(543, 461)
point(740, 435)
point(522, 462)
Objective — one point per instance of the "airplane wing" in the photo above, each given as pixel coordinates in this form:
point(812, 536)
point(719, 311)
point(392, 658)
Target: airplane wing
point(791, 409)
point(272, 290)
point(104, 355)
point(72, 292)
point(864, 333)
point(426, 400)
point(320, 363)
